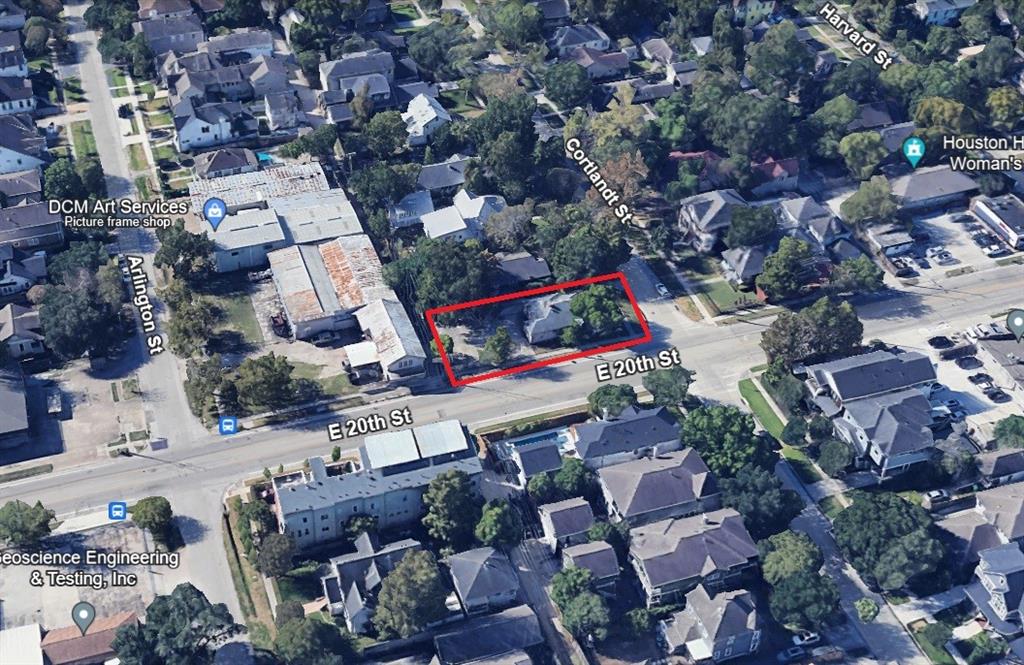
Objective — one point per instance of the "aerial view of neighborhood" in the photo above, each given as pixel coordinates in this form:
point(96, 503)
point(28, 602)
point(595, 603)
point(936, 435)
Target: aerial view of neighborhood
point(511, 332)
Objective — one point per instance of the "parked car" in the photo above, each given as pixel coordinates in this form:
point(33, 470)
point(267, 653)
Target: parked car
point(952, 404)
point(980, 378)
point(997, 395)
point(944, 258)
point(806, 638)
point(968, 362)
point(995, 250)
point(938, 496)
point(662, 290)
point(962, 219)
point(940, 342)
point(934, 251)
point(791, 655)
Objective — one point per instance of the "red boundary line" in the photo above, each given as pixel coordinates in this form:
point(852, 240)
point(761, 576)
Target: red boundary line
point(456, 382)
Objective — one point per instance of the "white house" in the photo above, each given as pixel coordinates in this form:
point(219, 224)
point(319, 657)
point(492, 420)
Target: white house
point(20, 331)
point(202, 126)
point(21, 146)
point(424, 116)
point(463, 219)
point(16, 95)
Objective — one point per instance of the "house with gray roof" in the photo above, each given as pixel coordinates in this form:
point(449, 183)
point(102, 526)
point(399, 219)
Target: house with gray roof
point(423, 116)
point(817, 220)
point(705, 218)
point(713, 628)
point(410, 210)
point(632, 434)
point(13, 410)
point(1003, 508)
point(180, 34)
point(547, 316)
point(198, 125)
point(600, 66)
point(444, 177)
point(163, 8)
point(12, 17)
point(674, 484)
point(568, 38)
point(30, 226)
point(932, 188)
point(522, 267)
point(396, 348)
point(354, 579)
point(553, 12)
point(464, 219)
point(673, 556)
point(283, 109)
point(999, 590)
point(240, 43)
point(658, 50)
point(968, 533)
point(21, 146)
point(16, 95)
point(20, 271)
point(21, 187)
point(599, 558)
point(834, 383)
point(20, 331)
point(890, 239)
point(742, 265)
point(491, 636)
point(225, 161)
point(532, 459)
point(893, 430)
point(703, 45)
point(360, 63)
point(484, 580)
point(1000, 467)
point(566, 522)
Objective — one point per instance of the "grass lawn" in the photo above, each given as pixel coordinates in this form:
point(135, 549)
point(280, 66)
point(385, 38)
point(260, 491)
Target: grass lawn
point(830, 506)
point(408, 31)
point(147, 89)
point(142, 184)
point(154, 105)
point(165, 151)
point(82, 138)
point(27, 472)
point(301, 584)
point(762, 410)
point(116, 78)
point(238, 315)
point(119, 92)
point(40, 62)
point(725, 298)
point(935, 652)
point(135, 125)
point(458, 101)
point(73, 90)
point(161, 119)
point(404, 12)
point(335, 385)
point(802, 464)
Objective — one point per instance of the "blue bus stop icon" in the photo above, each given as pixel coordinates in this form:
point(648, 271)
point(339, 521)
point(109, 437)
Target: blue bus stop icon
point(228, 424)
point(117, 510)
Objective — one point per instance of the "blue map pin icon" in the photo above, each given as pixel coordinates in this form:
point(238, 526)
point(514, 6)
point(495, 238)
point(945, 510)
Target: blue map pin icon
point(214, 210)
point(913, 150)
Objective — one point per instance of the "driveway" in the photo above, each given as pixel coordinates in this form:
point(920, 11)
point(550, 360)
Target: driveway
point(535, 566)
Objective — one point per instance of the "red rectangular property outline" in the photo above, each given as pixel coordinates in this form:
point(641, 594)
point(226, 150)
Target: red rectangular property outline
point(516, 295)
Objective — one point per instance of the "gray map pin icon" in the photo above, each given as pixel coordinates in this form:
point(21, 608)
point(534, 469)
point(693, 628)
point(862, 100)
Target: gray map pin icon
point(1015, 322)
point(83, 614)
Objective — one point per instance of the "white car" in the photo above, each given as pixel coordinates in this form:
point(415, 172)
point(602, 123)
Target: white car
point(995, 250)
point(662, 290)
point(806, 638)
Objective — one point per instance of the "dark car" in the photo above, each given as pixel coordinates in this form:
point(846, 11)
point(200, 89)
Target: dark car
point(979, 378)
point(940, 342)
point(997, 396)
point(791, 655)
point(968, 362)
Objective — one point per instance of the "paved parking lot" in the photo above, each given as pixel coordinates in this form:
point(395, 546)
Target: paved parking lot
point(955, 237)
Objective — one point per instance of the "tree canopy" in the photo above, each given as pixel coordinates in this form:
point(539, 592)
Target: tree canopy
point(786, 271)
point(411, 596)
point(724, 437)
point(751, 225)
point(1009, 432)
point(453, 509)
point(804, 600)
point(567, 85)
point(788, 553)
point(758, 495)
point(611, 399)
point(306, 641)
point(23, 525)
point(824, 329)
point(499, 525)
point(668, 386)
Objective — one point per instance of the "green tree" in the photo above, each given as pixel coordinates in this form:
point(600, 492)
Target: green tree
point(542, 489)
point(569, 583)
point(819, 427)
point(804, 600)
point(189, 255)
point(823, 329)
point(90, 172)
point(430, 47)
point(610, 399)
point(307, 641)
point(499, 525)
point(453, 509)
point(863, 152)
point(788, 553)
point(183, 627)
point(154, 514)
point(834, 457)
point(265, 383)
point(574, 478)
point(360, 524)
point(516, 23)
point(1005, 106)
point(669, 386)
point(320, 141)
point(598, 307)
point(993, 63)
point(795, 432)
point(23, 525)
point(587, 615)
point(724, 437)
point(1009, 432)
point(867, 609)
point(191, 326)
point(443, 272)
point(411, 596)
point(288, 610)
point(61, 181)
point(785, 270)
point(827, 126)
point(567, 85)
point(585, 253)
point(779, 60)
point(859, 275)
point(385, 134)
point(757, 494)
point(751, 225)
point(75, 321)
point(447, 343)
point(498, 347)
point(873, 201)
point(381, 184)
point(275, 555)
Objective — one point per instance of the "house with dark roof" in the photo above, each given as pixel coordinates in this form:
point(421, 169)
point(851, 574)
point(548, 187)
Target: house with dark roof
point(21, 146)
point(20, 331)
point(1003, 508)
point(180, 34)
point(70, 646)
point(533, 459)
point(742, 265)
point(444, 178)
point(566, 522)
point(673, 556)
point(30, 226)
point(967, 533)
point(932, 188)
point(890, 239)
point(484, 580)
point(600, 66)
point(658, 50)
point(832, 384)
point(681, 74)
point(488, 637)
point(773, 175)
point(225, 161)
point(353, 582)
point(599, 558)
point(705, 218)
point(713, 628)
point(164, 9)
point(632, 434)
point(568, 38)
point(13, 62)
point(1000, 467)
point(817, 220)
point(283, 109)
point(674, 484)
point(20, 187)
point(522, 267)
point(12, 17)
point(999, 590)
point(893, 430)
point(344, 72)
point(20, 271)
point(553, 12)
point(13, 409)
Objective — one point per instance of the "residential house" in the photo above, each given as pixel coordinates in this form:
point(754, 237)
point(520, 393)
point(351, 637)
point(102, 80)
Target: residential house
point(874, 115)
point(290, 18)
point(645, 92)
point(410, 210)
point(681, 74)
point(702, 45)
point(13, 409)
point(599, 558)
point(30, 226)
point(486, 638)
point(547, 316)
point(72, 646)
point(705, 218)
point(12, 61)
point(10, 40)
point(818, 221)
point(673, 556)
point(352, 65)
point(674, 484)
point(660, 51)
point(16, 95)
point(243, 44)
point(164, 9)
point(20, 187)
point(20, 271)
point(225, 161)
point(890, 239)
point(599, 65)
point(941, 12)
point(566, 522)
point(1000, 467)
point(354, 579)
point(968, 534)
point(999, 589)
point(1003, 508)
point(632, 434)
point(522, 268)
point(1005, 360)
point(893, 136)
point(774, 175)
point(1004, 215)
point(12, 17)
point(742, 265)
point(836, 383)
point(445, 177)
point(21, 644)
point(932, 188)
point(571, 37)
point(423, 117)
point(751, 12)
point(484, 580)
point(713, 628)
point(283, 109)
point(535, 458)
point(554, 13)
point(397, 350)
point(200, 125)
point(313, 507)
point(709, 167)
point(180, 34)
point(20, 331)
point(463, 219)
